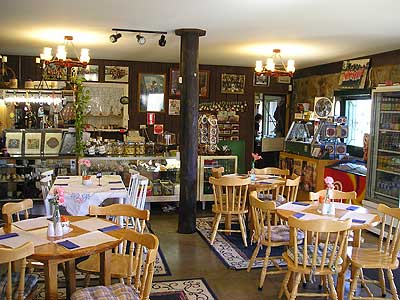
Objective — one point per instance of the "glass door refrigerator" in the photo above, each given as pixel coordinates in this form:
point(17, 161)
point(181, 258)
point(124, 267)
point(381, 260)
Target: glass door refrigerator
point(383, 179)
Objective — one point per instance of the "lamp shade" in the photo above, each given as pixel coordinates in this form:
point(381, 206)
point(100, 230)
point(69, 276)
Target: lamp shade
point(290, 66)
point(259, 66)
point(61, 53)
point(270, 64)
point(84, 58)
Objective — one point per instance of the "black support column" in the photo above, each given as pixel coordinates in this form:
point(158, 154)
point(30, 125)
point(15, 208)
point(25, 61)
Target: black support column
point(189, 72)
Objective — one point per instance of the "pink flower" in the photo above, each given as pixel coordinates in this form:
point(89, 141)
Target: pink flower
point(256, 156)
point(61, 199)
point(329, 182)
point(60, 191)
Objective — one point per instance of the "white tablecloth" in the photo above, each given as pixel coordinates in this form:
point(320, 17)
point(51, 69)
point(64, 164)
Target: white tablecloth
point(79, 197)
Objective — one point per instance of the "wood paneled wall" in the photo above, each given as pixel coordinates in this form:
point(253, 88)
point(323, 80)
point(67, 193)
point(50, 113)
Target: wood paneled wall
point(26, 68)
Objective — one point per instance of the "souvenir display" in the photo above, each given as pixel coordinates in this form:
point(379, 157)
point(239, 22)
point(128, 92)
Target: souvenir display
point(14, 142)
point(33, 142)
point(52, 142)
point(208, 134)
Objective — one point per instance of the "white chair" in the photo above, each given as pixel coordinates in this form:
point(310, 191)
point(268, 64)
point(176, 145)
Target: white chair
point(48, 173)
point(137, 194)
point(133, 181)
point(45, 185)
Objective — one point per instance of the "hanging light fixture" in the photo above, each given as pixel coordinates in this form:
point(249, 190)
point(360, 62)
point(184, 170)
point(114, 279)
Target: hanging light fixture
point(60, 59)
point(275, 66)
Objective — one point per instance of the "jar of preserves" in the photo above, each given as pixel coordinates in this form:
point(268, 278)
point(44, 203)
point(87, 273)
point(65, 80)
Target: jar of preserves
point(118, 148)
point(149, 148)
point(140, 148)
point(130, 148)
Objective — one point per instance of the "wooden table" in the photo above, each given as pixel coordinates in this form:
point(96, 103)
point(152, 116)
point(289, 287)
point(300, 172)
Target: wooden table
point(356, 228)
point(51, 255)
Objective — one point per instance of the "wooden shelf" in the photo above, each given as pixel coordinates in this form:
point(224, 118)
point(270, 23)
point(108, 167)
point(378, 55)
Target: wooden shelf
point(389, 151)
point(386, 195)
point(389, 130)
point(390, 111)
point(389, 172)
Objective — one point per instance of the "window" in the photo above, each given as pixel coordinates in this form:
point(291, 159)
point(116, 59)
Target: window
point(358, 113)
point(270, 105)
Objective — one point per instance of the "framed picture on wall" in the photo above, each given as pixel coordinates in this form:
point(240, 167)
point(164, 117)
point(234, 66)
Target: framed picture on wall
point(151, 92)
point(90, 73)
point(174, 106)
point(52, 142)
point(68, 143)
point(354, 73)
point(232, 83)
point(204, 83)
point(116, 74)
point(14, 142)
point(260, 79)
point(33, 142)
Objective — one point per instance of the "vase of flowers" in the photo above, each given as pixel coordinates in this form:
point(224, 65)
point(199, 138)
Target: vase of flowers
point(85, 165)
point(55, 229)
point(255, 157)
point(326, 207)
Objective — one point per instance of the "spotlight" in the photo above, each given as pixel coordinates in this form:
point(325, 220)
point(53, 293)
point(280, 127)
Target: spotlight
point(114, 37)
point(140, 39)
point(162, 41)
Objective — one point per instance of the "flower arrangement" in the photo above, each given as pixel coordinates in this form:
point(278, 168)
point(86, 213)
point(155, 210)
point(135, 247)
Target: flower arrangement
point(85, 165)
point(56, 202)
point(255, 157)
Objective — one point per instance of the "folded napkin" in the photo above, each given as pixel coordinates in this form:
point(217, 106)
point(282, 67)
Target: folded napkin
point(352, 207)
point(115, 182)
point(300, 203)
point(8, 235)
point(62, 177)
point(298, 215)
point(116, 189)
point(109, 228)
point(61, 184)
point(68, 244)
point(358, 221)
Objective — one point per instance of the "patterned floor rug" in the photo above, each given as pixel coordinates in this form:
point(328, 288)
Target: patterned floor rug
point(230, 249)
point(187, 289)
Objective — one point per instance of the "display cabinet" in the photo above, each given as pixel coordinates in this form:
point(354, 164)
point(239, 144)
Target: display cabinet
point(20, 175)
point(383, 180)
point(162, 172)
point(205, 164)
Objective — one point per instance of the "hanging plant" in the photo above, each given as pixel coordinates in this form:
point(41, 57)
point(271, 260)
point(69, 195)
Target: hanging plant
point(82, 98)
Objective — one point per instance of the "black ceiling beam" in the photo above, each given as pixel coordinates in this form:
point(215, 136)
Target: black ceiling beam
point(139, 31)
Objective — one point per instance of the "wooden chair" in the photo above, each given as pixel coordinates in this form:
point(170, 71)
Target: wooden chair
point(291, 188)
point(230, 195)
point(121, 258)
point(383, 257)
point(318, 255)
point(140, 265)
point(11, 208)
point(267, 235)
point(26, 284)
point(337, 196)
point(273, 171)
point(217, 172)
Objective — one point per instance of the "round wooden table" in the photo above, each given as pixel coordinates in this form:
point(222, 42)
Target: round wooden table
point(51, 255)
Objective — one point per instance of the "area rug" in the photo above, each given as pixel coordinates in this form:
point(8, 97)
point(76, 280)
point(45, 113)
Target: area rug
point(187, 289)
point(230, 249)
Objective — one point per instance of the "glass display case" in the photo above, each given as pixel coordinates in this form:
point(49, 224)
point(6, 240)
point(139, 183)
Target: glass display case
point(205, 164)
point(384, 151)
point(300, 138)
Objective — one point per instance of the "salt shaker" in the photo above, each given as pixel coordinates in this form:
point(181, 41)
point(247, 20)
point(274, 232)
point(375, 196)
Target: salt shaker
point(58, 229)
point(50, 229)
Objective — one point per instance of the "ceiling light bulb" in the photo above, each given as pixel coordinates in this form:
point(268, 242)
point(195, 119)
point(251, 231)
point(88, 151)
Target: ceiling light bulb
point(259, 66)
point(140, 39)
point(61, 53)
point(290, 66)
point(4, 59)
point(270, 64)
point(84, 58)
point(114, 37)
point(162, 41)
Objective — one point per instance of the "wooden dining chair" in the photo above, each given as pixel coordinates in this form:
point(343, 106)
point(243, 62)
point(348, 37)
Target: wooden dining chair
point(273, 171)
point(121, 258)
point(217, 172)
point(15, 208)
point(318, 255)
point(291, 188)
point(140, 267)
point(230, 196)
point(25, 285)
point(267, 235)
point(337, 196)
point(383, 257)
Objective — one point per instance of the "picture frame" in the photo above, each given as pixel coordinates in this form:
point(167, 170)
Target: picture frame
point(33, 142)
point(68, 143)
point(232, 83)
point(354, 73)
point(52, 142)
point(55, 72)
point(204, 83)
point(151, 89)
point(90, 73)
point(116, 74)
point(260, 79)
point(174, 107)
point(14, 142)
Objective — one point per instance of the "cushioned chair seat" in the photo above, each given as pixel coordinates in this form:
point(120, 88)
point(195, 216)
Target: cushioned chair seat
point(117, 291)
point(310, 251)
point(281, 233)
point(30, 283)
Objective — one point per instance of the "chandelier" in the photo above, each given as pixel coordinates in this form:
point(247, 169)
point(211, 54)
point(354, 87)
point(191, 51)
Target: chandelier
point(61, 60)
point(275, 66)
